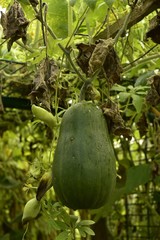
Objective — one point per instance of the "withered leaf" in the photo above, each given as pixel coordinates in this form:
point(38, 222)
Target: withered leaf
point(154, 29)
point(100, 58)
point(34, 3)
point(111, 111)
point(14, 24)
point(44, 185)
point(142, 125)
point(1, 104)
point(85, 52)
point(105, 58)
point(112, 67)
point(99, 55)
point(153, 96)
point(44, 82)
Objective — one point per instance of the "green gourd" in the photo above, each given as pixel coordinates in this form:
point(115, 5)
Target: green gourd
point(84, 166)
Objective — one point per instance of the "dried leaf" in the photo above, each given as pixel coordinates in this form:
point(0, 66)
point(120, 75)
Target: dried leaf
point(112, 67)
point(14, 24)
point(44, 185)
point(105, 58)
point(85, 52)
point(1, 104)
point(101, 59)
point(99, 55)
point(142, 125)
point(44, 83)
point(34, 3)
point(153, 96)
point(118, 127)
point(154, 29)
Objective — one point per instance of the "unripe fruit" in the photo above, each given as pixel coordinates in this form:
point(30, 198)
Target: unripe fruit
point(31, 210)
point(45, 116)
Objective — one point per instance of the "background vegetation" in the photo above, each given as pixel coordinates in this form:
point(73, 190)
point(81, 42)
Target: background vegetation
point(45, 52)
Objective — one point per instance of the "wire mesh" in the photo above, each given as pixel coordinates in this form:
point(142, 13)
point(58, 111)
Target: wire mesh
point(137, 216)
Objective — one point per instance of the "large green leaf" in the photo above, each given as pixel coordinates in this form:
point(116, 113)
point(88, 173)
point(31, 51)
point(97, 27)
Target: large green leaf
point(137, 102)
point(136, 176)
point(58, 17)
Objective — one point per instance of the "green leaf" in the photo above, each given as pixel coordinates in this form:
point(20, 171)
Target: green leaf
point(61, 225)
point(123, 96)
point(56, 226)
point(143, 79)
point(86, 222)
point(88, 230)
point(129, 112)
point(62, 236)
point(91, 3)
point(82, 233)
point(109, 2)
point(118, 88)
point(8, 182)
point(136, 176)
point(73, 219)
point(58, 15)
point(137, 102)
point(65, 216)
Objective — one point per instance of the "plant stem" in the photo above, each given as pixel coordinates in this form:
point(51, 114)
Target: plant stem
point(48, 28)
point(135, 61)
point(12, 61)
point(70, 19)
point(67, 53)
point(83, 90)
point(124, 27)
point(24, 46)
point(42, 22)
point(141, 61)
point(79, 23)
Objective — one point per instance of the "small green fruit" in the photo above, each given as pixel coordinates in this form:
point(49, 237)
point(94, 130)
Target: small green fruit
point(31, 210)
point(45, 116)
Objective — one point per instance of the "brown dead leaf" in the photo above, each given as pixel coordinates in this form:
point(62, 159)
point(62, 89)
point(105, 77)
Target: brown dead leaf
point(99, 55)
point(34, 3)
point(44, 82)
point(1, 104)
point(142, 125)
point(85, 52)
point(14, 24)
point(118, 127)
point(112, 67)
point(154, 29)
point(153, 96)
point(100, 58)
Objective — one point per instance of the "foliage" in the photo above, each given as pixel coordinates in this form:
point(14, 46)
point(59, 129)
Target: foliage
point(49, 64)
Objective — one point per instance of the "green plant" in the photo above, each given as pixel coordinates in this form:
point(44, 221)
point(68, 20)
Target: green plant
point(55, 216)
point(132, 98)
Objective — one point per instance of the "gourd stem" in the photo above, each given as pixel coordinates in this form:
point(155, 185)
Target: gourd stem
point(84, 89)
point(67, 53)
point(86, 84)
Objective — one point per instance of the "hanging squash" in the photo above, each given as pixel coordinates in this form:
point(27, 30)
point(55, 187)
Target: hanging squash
point(84, 170)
